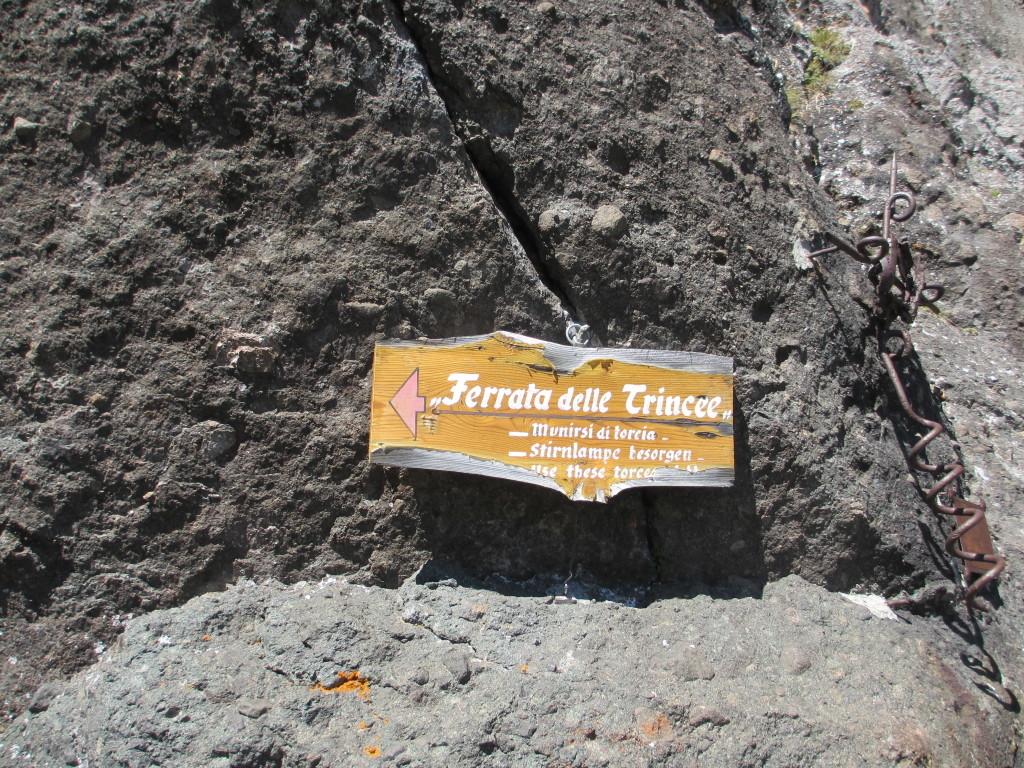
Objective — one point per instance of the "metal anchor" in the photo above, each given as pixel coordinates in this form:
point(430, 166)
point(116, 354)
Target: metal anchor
point(900, 290)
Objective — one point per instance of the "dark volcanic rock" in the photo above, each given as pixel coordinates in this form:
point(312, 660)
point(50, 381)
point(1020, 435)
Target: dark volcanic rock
point(264, 193)
point(644, 111)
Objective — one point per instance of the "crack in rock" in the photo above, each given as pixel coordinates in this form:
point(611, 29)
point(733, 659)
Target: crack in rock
point(495, 176)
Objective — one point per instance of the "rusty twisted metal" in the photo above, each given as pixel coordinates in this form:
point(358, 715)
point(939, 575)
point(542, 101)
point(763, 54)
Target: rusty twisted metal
point(900, 291)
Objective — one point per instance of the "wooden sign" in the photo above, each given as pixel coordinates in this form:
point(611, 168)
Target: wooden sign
point(588, 422)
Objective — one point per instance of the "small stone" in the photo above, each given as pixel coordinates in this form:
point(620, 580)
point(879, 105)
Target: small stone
point(549, 221)
point(718, 232)
point(1006, 131)
point(1012, 221)
point(253, 708)
point(364, 310)
point(701, 715)
point(546, 9)
point(794, 661)
point(99, 401)
point(487, 744)
point(440, 299)
point(221, 693)
point(79, 130)
point(247, 352)
point(609, 221)
point(458, 664)
point(43, 697)
point(802, 255)
point(690, 663)
point(547, 745)
point(721, 161)
point(9, 545)
point(327, 677)
point(216, 439)
point(252, 359)
point(25, 130)
point(524, 730)
point(41, 353)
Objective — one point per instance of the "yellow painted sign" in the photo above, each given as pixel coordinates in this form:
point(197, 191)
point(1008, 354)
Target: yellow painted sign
point(589, 422)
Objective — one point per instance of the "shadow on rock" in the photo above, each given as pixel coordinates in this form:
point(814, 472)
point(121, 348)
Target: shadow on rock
point(579, 587)
point(493, 529)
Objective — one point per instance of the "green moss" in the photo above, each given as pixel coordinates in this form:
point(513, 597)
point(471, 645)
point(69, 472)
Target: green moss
point(854, 104)
point(829, 48)
point(797, 100)
point(817, 83)
point(828, 51)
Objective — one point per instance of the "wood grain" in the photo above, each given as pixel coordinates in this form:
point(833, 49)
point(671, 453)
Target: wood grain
point(587, 422)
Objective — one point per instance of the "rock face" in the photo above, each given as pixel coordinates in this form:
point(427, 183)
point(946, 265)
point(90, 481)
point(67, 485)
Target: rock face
point(247, 197)
point(437, 674)
point(931, 82)
point(261, 196)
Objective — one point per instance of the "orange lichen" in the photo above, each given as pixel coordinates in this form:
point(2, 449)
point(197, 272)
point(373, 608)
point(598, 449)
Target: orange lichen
point(206, 638)
point(372, 751)
point(658, 728)
point(345, 682)
point(362, 725)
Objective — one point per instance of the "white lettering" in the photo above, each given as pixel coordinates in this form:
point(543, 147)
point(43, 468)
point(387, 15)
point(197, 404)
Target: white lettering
point(576, 472)
point(531, 390)
point(633, 390)
point(543, 401)
point(502, 393)
point(565, 401)
point(488, 391)
point(460, 380)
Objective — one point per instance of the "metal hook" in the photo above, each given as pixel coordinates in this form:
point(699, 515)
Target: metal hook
point(577, 334)
point(900, 288)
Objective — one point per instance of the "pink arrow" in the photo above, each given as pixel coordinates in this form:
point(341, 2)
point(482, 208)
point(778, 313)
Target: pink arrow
point(407, 402)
